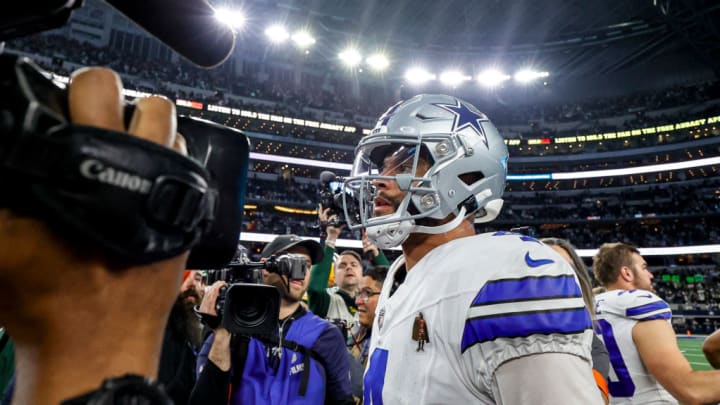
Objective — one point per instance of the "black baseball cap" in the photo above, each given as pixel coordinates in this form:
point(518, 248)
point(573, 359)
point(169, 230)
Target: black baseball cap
point(284, 242)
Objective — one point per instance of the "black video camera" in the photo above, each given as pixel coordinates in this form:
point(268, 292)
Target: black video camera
point(137, 201)
point(248, 306)
point(331, 196)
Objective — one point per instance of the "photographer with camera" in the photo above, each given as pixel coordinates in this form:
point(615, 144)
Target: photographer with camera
point(338, 302)
point(302, 362)
point(183, 337)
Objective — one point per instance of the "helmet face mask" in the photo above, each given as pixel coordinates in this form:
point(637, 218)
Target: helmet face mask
point(436, 157)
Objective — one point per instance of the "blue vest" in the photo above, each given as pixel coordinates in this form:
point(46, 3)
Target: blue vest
point(261, 383)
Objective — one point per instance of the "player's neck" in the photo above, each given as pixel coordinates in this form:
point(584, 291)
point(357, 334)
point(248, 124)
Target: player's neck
point(420, 244)
point(620, 285)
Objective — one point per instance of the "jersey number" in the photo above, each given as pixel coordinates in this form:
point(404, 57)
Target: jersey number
point(624, 386)
point(375, 377)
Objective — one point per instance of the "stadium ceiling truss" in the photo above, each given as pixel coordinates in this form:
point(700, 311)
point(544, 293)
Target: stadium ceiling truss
point(566, 37)
point(696, 23)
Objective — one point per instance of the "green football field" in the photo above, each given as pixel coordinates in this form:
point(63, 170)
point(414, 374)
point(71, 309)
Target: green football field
point(692, 349)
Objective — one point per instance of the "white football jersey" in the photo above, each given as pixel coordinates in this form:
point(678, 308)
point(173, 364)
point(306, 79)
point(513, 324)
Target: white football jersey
point(618, 311)
point(486, 300)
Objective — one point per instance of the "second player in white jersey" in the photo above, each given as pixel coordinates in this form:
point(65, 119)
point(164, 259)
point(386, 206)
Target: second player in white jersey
point(486, 300)
point(618, 312)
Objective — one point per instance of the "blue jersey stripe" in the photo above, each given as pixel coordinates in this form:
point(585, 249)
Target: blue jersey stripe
point(527, 288)
point(644, 309)
point(663, 315)
point(563, 321)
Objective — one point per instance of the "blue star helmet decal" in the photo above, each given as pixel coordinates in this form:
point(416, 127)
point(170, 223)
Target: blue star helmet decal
point(465, 118)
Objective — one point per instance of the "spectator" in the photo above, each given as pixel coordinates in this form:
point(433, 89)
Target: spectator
point(600, 357)
point(338, 302)
point(306, 362)
point(635, 326)
point(183, 337)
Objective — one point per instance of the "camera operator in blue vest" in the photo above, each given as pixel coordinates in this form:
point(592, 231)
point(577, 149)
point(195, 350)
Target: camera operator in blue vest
point(304, 363)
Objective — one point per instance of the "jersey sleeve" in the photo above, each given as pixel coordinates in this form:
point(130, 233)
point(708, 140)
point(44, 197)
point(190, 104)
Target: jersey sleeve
point(531, 304)
point(511, 308)
point(639, 305)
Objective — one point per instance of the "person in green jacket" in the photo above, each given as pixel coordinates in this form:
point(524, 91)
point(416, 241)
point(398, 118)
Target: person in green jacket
point(338, 302)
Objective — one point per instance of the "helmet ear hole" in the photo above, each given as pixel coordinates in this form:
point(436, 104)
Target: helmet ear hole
point(471, 178)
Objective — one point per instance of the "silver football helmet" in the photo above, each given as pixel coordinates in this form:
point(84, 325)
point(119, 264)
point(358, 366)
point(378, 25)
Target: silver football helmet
point(442, 154)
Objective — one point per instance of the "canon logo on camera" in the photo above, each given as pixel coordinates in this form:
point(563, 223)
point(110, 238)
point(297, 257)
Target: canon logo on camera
point(96, 170)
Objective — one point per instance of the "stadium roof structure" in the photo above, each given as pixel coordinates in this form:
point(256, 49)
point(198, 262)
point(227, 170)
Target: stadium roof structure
point(566, 37)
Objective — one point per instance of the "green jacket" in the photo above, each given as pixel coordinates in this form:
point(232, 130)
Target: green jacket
point(319, 296)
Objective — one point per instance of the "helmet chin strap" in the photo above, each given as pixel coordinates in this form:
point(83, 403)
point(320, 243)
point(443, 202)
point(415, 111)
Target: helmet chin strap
point(388, 236)
point(434, 230)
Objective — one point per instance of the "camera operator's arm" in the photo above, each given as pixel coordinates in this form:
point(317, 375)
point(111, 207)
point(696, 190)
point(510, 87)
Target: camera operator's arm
point(378, 257)
point(319, 299)
point(330, 345)
point(213, 382)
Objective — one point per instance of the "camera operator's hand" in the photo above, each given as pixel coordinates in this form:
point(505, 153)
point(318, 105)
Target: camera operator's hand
point(333, 232)
point(95, 99)
point(220, 349)
point(368, 246)
point(207, 306)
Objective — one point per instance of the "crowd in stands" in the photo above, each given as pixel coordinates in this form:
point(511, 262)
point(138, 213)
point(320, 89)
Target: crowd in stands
point(636, 104)
point(694, 295)
point(613, 219)
point(671, 215)
point(678, 200)
point(308, 100)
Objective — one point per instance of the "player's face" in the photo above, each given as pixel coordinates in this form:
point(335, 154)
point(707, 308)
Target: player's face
point(348, 272)
point(389, 196)
point(367, 300)
point(642, 277)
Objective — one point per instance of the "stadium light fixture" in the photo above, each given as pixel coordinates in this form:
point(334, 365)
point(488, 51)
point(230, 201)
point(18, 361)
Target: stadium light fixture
point(303, 39)
point(231, 17)
point(492, 78)
point(277, 33)
point(453, 77)
point(527, 75)
point(418, 76)
point(350, 57)
point(378, 62)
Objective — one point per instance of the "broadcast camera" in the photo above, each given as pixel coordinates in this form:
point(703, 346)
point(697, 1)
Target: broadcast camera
point(246, 305)
point(331, 196)
point(137, 201)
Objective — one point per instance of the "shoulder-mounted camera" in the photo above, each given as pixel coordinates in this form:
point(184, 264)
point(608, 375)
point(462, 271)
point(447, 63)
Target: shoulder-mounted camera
point(137, 201)
point(247, 306)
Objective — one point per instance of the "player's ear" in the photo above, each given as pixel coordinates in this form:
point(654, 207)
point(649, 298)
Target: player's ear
point(626, 274)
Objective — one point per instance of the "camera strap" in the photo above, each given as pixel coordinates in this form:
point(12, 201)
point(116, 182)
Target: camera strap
point(274, 341)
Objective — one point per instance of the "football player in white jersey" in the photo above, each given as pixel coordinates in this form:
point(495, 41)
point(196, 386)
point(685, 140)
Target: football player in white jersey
point(647, 365)
point(496, 318)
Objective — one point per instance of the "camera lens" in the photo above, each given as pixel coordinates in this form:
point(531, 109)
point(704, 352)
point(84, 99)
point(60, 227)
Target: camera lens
point(248, 309)
point(251, 309)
